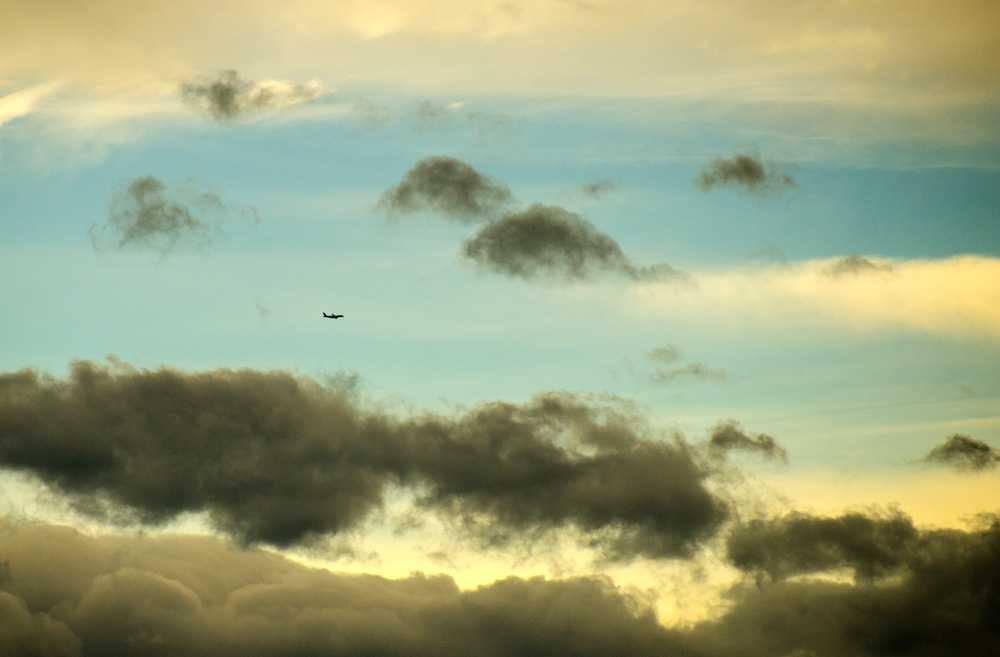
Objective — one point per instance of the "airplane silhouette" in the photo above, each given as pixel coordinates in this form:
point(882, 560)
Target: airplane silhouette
point(332, 316)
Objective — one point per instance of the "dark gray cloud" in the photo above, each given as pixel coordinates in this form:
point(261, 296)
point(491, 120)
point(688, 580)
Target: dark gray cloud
point(873, 545)
point(73, 595)
point(549, 241)
point(747, 173)
point(283, 460)
point(854, 265)
point(148, 214)
point(729, 435)
point(964, 453)
point(557, 461)
point(228, 97)
point(446, 185)
point(942, 599)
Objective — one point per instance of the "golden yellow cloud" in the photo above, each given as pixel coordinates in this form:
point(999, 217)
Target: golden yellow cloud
point(956, 297)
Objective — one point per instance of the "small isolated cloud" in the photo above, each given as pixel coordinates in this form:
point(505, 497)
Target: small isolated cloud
point(449, 186)
point(964, 453)
point(729, 435)
point(598, 188)
point(148, 214)
point(228, 97)
point(550, 241)
point(854, 265)
point(747, 173)
point(665, 359)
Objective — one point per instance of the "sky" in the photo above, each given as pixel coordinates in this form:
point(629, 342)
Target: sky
point(669, 328)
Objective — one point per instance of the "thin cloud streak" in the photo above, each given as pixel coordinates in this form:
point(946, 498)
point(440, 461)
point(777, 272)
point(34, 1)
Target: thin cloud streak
point(955, 296)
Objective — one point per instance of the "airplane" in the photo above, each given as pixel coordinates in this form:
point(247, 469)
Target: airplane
point(332, 316)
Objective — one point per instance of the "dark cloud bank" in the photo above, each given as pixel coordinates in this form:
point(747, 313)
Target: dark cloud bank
point(148, 214)
point(917, 593)
point(278, 459)
point(281, 460)
point(747, 173)
point(541, 241)
point(227, 97)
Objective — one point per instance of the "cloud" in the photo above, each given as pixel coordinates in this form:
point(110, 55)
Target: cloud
point(449, 186)
point(228, 98)
point(281, 460)
point(69, 594)
point(941, 598)
point(964, 453)
point(854, 265)
point(20, 103)
point(598, 188)
point(148, 214)
point(664, 358)
point(550, 241)
point(180, 595)
point(747, 173)
point(952, 296)
point(873, 545)
point(730, 435)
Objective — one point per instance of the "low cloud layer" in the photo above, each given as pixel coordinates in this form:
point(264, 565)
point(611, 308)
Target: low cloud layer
point(449, 186)
point(66, 594)
point(282, 460)
point(964, 453)
point(746, 173)
point(228, 98)
point(541, 241)
point(148, 214)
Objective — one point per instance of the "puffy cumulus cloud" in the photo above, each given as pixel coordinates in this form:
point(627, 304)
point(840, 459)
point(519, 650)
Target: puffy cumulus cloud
point(873, 545)
point(228, 97)
point(148, 214)
point(729, 435)
point(954, 296)
point(449, 186)
point(80, 596)
point(75, 595)
point(964, 453)
point(542, 241)
point(550, 241)
point(747, 173)
point(282, 460)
